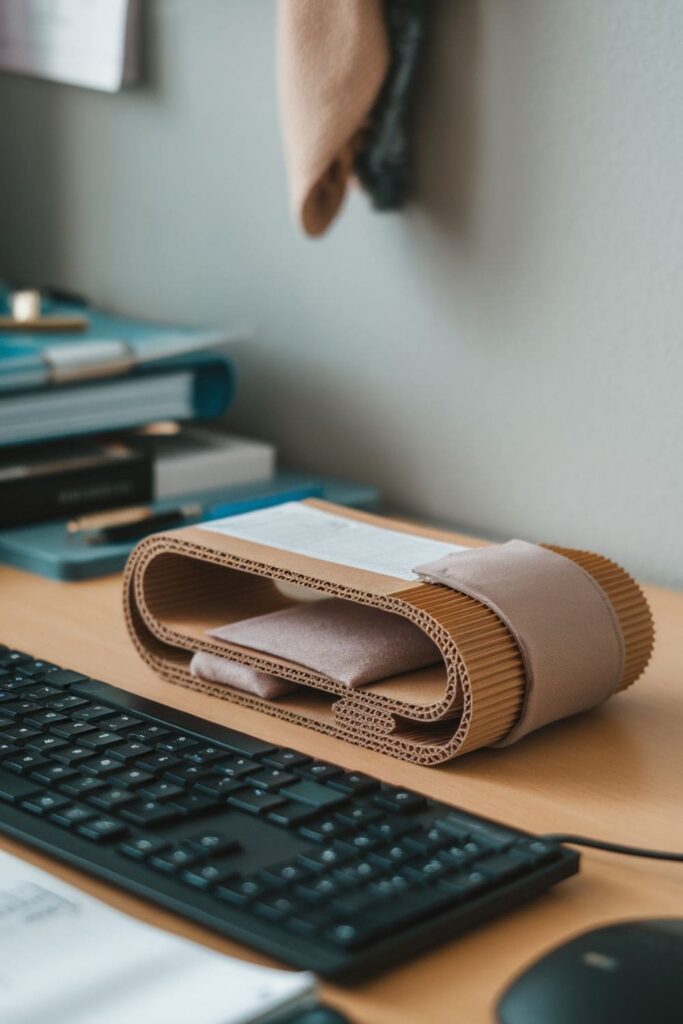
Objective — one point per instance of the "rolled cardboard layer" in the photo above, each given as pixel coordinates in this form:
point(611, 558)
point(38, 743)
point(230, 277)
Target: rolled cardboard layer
point(180, 585)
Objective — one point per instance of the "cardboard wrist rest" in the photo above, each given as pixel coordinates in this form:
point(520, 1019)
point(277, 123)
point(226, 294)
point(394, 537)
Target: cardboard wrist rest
point(501, 672)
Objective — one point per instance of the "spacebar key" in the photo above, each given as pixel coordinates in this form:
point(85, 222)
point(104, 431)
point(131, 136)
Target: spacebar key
point(14, 788)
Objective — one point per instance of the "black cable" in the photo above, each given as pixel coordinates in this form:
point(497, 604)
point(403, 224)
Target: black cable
point(601, 844)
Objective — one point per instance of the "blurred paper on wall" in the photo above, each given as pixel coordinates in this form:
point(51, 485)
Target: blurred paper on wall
point(92, 43)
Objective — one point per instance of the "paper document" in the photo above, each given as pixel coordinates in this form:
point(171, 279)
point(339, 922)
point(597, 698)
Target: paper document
point(66, 958)
point(83, 42)
point(310, 531)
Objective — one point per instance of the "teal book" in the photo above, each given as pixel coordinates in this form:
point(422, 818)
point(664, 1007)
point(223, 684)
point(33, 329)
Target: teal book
point(117, 374)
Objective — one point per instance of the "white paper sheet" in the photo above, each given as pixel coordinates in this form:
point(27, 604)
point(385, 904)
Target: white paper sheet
point(66, 958)
point(92, 43)
point(306, 530)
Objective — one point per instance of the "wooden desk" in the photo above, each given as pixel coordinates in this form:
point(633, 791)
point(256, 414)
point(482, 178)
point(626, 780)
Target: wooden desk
point(615, 773)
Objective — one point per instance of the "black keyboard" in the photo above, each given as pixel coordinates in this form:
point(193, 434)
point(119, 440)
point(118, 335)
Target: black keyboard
point(322, 868)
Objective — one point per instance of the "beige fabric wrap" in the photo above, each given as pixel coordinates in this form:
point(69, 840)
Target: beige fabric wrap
point(332, 60)
point(564, 624)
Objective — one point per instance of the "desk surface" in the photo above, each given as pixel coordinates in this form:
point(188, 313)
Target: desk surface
point(614, 773)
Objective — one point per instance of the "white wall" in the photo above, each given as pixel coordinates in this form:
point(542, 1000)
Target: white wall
point(505, 355)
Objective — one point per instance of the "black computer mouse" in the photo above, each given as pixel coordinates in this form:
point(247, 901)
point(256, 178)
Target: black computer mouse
point(628, 973)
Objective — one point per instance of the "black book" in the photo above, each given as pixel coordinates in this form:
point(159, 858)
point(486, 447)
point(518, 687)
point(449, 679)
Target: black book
point(62, 479)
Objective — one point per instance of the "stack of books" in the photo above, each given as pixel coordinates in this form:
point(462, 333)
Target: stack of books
point(108, 432)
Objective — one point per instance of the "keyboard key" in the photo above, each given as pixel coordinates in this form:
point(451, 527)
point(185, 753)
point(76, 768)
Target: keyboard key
point(314, 794)
point(68, 703)
point(178, 743)
point(270, 778)
point(72, 815)
point(235, 767)
point(319, 890)
point(82, 785)
point(243, 891)
point(111, 798)
point(390, 856)
point(538, 850)
point(102, 830)
point(255, 801)
point(52, 773)
point(463, 826)
point(286, 759)
point(93, 713)
point(204, 754)
point(361, 842)
point(284, 875)
point(389, 888)
point(130, 751)
point(20, 733)
point(401, 801)
point(464, 885)
point(160, 762)
point(149, 734)
point(72, 755)
point(354, 783)
point(14, 788)
point(45, 803)
point(427, 870)
point(41, 693)
point(357, 872)
point(187, 774)
point(360, 817)
point(10, 658)
point(24, 762)
point(205, 876)
point(123, 722)
point(277, 908)
point(16, 683)
point(71, 730)
point(43, 719)
point(501, 866)
point(196, 803)
point(65, 677)
point(142, 846)
point(45, 744)
point(392, 827)
point(290, 815)
point(149, 812)
point(104, 765)
point(161, 790)
point(36, 668)
point(100, 739)
point(131, 778)
point(217, 786)
point(240, 743)
point(176, 858)
point(213, 843)
point(323, 829)
point(18, 709)
point(322, 860)
point(319, 771)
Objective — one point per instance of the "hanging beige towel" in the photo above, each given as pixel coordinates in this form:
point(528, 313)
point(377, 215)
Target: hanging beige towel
point(333, 56)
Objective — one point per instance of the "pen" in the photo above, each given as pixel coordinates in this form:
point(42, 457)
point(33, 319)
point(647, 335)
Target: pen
point(136, 529)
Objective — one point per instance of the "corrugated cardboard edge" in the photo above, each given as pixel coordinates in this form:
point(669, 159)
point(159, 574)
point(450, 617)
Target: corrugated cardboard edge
point(485, 681)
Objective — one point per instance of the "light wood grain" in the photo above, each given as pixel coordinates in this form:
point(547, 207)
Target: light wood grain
point(614, 773)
